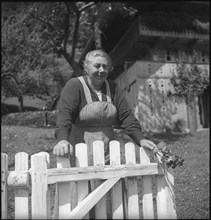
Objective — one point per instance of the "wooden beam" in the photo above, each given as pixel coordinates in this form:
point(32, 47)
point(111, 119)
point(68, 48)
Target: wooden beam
point(99, 159)
point(155, 42)
point(85, 206)
point(148, 212)
point(81, 154)
point(39, 186)
point(145, 31)
point(4, 193)
point(116, 191)
point(173, 41)
point(132, 187)
point(64, 196)
point(101, 172)
point(165, 200)
point(125, 43)
point(22, 195)
point(18, 179)
point(192, 43)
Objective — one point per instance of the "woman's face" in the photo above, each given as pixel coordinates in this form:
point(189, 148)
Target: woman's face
point(97, 71)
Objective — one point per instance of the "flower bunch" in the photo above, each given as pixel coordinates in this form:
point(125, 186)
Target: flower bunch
point(165, 155)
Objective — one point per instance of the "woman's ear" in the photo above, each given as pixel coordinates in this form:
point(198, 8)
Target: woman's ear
point(85, 69)
point(85, 72)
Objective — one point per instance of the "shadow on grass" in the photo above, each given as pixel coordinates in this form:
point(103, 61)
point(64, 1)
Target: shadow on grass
point(7, 109)
point(167, 136)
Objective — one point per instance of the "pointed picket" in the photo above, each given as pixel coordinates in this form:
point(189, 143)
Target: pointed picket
point(65, 194)
point(165, 197)
point(21, 195)
point(117, 201)
point(133, 207)
point(47, 156)
point(39, 198)
point(82, 161)
point(85, 206)
point(99, 159)
point(148, 211)
point(4, 200)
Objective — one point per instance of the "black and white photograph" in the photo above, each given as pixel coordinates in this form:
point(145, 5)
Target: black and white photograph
point(105, 110)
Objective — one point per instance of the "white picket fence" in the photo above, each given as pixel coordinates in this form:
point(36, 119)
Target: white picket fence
point(122, 191)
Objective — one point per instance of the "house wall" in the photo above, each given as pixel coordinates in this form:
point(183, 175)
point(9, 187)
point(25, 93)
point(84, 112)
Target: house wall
point(173, 55)
point(145, 84)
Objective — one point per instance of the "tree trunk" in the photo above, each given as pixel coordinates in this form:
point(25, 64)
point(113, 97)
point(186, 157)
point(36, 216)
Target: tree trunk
point(97, 33)
point(77, 70)
point(20, 99)
point(191, 111)
point(86, 49)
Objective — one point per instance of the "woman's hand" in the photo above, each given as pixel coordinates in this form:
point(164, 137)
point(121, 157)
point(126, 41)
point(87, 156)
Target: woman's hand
point(148, 144)
point(63, 148)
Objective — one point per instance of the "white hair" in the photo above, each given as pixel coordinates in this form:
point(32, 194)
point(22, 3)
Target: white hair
point(97, 53)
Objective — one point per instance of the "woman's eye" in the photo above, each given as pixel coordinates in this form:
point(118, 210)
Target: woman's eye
point(97, 66)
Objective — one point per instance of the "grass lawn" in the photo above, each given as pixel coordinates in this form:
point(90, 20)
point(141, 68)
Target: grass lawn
point(191, 180)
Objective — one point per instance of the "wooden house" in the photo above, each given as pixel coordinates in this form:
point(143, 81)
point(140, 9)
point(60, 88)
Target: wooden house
point(144, 50)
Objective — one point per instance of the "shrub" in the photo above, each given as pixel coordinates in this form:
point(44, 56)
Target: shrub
point(9, 108)
point(30, 119)
point(190, 80)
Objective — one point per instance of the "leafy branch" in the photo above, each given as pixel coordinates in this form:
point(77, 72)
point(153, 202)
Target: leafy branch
point(189, 81)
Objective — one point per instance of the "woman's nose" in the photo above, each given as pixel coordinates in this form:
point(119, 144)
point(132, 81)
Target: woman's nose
point(101, 69)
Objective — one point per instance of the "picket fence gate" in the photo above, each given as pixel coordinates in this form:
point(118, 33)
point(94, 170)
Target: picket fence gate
point(136, 190)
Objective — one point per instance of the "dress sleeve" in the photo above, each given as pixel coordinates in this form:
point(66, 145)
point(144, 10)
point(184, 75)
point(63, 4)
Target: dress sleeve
point(126, 118)
point(68, 108)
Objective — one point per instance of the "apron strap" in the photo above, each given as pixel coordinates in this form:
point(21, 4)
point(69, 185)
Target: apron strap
point(86, 90)
point(108, 92)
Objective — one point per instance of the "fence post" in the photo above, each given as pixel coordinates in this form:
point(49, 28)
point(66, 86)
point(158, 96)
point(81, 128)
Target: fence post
point(99, 159)
point(165, 197)
point(64, 191)
point(82, 161)
point(39, 165)
point(65, 196)
point(148, 211)
point(21, 195)
point(133, 207)
point(4, 200)
point(117, 204)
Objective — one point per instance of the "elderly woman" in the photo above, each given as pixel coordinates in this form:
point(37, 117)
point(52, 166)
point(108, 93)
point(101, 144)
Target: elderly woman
point(91, 106)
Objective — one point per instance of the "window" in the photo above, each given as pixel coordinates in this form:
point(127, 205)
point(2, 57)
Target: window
point(168, 55)
point(186, 56)
point(158, 55)
point(171, 55)
point(204, 57)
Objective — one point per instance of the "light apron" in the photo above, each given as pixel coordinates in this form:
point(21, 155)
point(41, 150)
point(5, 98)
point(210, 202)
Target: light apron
point(94, 122)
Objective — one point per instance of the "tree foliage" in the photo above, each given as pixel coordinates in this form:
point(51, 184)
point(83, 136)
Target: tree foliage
point(72, 26)
point(34, 32)
point(190, 80)
point(28, 64)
